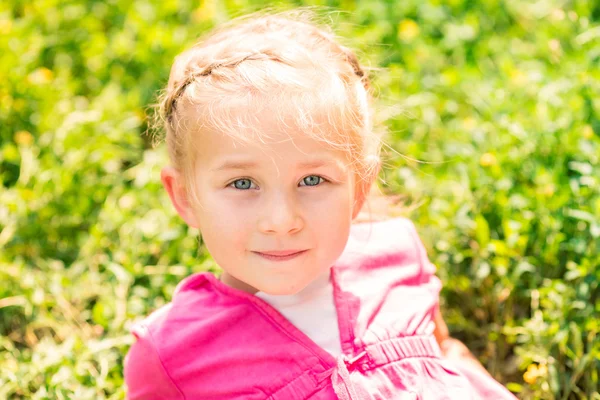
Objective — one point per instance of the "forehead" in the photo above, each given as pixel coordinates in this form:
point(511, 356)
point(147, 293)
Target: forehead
point(269, 123)
point(278, 148)
point(267, 141)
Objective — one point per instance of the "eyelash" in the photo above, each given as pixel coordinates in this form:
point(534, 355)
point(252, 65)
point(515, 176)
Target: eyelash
point(232, 184)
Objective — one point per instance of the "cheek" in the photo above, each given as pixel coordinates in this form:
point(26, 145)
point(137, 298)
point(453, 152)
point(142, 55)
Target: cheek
point(330, 219)
point(334, 205)
point(226, 221)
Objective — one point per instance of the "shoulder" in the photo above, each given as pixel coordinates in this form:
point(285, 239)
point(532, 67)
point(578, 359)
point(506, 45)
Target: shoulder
point(393, 231)
point(159, 322)
point(396, 236)
point(380, 244)
point(198, 303)
point(145, 373)
point(164, 338)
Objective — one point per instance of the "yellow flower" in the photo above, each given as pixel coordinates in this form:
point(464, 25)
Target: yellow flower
point(23, 138)
point(487, 160)
point(535, 371)
point(518, 77)
point(548, 190)
point(206, 12)
point(588, 132)
point(5, 26)
point(408, 30)
point(469, 123)
point(40, 76)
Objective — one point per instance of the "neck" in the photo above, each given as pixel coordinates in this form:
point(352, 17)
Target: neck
point(236, 283)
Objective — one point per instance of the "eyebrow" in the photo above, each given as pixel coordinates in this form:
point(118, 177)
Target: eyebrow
point(251, 164)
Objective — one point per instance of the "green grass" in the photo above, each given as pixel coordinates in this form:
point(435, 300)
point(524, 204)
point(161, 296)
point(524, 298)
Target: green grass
point(501, 102)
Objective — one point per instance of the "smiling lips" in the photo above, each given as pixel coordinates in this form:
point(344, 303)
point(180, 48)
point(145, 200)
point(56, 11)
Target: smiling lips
point(280, 255)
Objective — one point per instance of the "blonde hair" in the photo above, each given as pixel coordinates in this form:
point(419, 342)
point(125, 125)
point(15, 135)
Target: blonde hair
point(282, 62)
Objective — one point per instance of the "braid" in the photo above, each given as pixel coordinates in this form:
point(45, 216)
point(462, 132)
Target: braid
point(348, 54)
point(193, 72)
point(353, 61)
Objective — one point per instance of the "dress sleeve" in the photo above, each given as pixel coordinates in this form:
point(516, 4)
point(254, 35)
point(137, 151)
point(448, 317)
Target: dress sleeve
point(145, 375)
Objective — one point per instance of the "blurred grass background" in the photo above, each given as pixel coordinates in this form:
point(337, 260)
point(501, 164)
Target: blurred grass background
point(499, 98)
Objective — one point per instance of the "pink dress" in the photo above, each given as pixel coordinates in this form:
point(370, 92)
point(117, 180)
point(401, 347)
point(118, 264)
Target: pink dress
point(216, 342)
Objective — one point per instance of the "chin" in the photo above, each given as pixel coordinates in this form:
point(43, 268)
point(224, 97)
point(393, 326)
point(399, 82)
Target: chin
point(281, 290)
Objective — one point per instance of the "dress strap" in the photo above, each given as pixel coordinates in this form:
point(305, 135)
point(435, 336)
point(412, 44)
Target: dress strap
point(403, 347)
point(340, 378)
point(371, 357)
point(380, 354)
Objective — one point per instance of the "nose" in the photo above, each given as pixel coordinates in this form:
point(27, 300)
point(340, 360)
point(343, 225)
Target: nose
point(281, 215)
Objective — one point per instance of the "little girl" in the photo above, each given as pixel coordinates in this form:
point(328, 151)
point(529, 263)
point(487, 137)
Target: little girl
point(270, 134)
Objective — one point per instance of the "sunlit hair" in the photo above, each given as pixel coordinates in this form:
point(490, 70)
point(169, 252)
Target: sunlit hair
point(285, 63)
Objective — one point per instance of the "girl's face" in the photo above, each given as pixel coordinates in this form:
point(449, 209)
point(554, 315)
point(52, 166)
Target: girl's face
point(273, 215)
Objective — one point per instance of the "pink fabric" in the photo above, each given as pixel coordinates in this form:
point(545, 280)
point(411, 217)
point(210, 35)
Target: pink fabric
point(216, 342)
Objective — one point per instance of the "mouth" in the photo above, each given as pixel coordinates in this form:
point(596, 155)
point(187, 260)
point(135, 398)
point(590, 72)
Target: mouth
point(280, 255)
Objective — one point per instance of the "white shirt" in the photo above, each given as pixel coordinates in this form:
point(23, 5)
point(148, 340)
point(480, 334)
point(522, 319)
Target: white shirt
point(312, 311)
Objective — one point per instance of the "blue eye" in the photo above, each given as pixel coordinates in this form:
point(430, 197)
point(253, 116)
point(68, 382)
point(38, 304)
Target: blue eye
point(242, 184)
point(312, 180)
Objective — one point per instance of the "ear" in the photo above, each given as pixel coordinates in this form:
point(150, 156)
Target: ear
point(363, 188)
point(172, 181)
